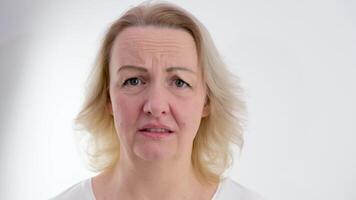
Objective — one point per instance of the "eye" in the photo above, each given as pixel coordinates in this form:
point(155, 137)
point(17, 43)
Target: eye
point(132, 82)
point(179, 83)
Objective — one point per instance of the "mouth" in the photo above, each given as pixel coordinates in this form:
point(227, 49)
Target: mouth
point(156, 132)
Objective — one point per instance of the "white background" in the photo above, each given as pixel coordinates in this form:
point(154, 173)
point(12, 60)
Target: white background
point(296, 61)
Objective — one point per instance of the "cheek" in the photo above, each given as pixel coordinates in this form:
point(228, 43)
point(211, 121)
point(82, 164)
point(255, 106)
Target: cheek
point(190, 114)
point(126, 111)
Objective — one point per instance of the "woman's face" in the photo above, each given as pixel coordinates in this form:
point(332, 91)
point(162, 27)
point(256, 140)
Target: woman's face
point(157, 93)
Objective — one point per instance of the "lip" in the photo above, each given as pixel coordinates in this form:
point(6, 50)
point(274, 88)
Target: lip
point(154, 134)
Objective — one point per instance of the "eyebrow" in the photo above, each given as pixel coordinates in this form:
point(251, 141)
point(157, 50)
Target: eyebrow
point(172, 69)
point(142, 69)
point(131, 67)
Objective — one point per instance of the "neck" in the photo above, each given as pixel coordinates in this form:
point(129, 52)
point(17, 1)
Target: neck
point(166, 179)
point(138, 179)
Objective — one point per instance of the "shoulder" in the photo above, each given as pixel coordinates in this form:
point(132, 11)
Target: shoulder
point(229, 189)
point(81, 190)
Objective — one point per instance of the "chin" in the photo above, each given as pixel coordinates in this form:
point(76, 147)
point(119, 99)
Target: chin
point(154, 153)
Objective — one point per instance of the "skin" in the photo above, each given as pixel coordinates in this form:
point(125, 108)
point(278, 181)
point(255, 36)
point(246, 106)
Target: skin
point(155, 78)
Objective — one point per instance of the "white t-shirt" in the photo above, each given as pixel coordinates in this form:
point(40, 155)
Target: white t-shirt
point(227, 190)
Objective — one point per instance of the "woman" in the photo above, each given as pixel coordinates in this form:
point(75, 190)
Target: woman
point(161, 112)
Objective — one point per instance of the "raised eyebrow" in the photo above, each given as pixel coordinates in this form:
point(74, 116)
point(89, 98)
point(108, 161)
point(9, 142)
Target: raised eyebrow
point(138, 68)
point(171, 69)
point(132, 67)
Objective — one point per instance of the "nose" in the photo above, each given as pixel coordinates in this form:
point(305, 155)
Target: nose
point(156, 103)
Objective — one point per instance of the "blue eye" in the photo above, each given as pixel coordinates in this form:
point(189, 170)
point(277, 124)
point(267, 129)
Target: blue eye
point(180, 83)
point(132, 82)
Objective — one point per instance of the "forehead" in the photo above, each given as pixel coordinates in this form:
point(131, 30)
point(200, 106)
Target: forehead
point(142, 44)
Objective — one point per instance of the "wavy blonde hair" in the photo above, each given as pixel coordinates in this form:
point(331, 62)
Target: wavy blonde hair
point(212, 152)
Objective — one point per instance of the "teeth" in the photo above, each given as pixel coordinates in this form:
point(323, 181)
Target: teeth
point(159, 130)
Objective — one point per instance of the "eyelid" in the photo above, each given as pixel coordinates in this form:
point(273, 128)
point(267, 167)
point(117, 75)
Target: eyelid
point(175, 78)
point(125, 83)
point(143, 80)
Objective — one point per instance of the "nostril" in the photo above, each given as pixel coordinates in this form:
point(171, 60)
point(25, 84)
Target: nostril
point(156, 108)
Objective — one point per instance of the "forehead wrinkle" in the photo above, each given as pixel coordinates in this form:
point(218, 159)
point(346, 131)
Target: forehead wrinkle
point(152, 38)
point(157, 46)
point(138, 52)
point(156, 37)
point(161, 52)
point(165, 49)
point(154, 47)
point(137, 41)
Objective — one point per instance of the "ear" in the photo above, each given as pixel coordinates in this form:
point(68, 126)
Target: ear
point(109, 107)
point(206, 108)
point(108, 104)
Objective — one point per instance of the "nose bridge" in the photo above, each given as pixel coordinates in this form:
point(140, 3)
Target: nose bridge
point(157, 98)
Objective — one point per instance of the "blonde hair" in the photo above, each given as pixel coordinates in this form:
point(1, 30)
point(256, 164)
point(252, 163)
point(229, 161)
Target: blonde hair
point(211, 153)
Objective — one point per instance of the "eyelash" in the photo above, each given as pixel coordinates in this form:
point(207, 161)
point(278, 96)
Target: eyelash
point(128, 82)
point(185, 83)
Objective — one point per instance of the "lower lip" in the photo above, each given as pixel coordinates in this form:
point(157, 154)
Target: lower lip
point(155, 135)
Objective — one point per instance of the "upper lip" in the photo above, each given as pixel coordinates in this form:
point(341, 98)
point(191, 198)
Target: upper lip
point(156, 125)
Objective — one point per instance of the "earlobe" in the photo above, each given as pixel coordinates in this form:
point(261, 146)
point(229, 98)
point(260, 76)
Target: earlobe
point(109, 108)
point(206, 108)
point(109, 105)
